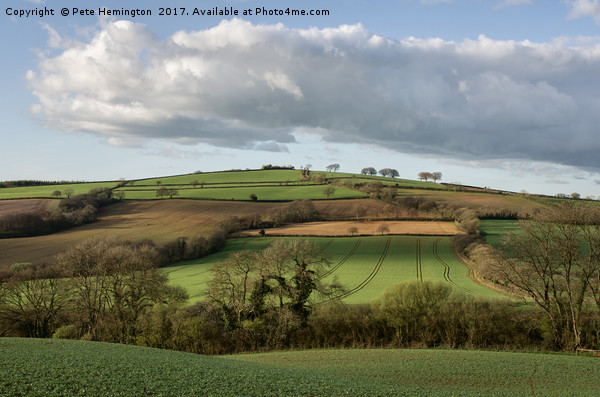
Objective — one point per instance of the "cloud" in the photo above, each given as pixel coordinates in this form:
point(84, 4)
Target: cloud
point(246, 86)
point(511, 3)
point(583, 9)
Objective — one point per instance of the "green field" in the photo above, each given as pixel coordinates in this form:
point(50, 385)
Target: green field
point(263, 193)
point(37, 367)
point(366, 266)
point(47, 190)
point(494, 230)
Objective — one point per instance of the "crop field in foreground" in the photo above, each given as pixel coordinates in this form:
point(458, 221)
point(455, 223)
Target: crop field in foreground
point(366, 266)
point(38, 367)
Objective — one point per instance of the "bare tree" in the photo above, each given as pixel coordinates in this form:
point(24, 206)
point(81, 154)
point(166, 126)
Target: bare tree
point(68, 192)
point(368, 171)
point(56, 193)
point(353, 230)
point(328, 191)
point(333, 167)
point(424, 176)
point(195, 183)
point(436, 176)
point(389, 172)
point(383, 228)
point(555, 260)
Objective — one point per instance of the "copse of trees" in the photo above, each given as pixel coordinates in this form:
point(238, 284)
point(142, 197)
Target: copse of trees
point(97, 290)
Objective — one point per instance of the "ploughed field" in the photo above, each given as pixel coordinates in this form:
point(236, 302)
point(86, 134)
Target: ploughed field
point(365, 266)
point(52, 367)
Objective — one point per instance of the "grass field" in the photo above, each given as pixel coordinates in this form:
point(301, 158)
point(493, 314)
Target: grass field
point(366, 266)
point(495, 230)
point(36, 367)
point(242, 193)
point(46, 191)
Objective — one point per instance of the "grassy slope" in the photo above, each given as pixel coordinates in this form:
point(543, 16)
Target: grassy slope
point(46, 191)
point(242, 193)
point(495, 230)
point(65, 368)
point(400, 264)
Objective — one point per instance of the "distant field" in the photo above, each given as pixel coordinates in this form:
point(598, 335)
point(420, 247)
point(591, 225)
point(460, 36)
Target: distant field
point(428, 228)
point(263, 193)
point(52, 367)
point(46, 191)
point(366, 266)
point(160, 221)
point(40, 206)
point(494, 230)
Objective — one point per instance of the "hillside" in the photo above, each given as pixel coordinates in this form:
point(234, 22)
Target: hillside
point(37, 367)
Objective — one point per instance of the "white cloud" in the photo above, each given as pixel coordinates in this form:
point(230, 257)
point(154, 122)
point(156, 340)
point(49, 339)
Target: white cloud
point(583, 9)
point(248, 86)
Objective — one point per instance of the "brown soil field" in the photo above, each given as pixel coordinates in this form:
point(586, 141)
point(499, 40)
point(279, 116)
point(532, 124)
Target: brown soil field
point(428, 228)
point(476, 201)
point(25, 205)
point(158, 220)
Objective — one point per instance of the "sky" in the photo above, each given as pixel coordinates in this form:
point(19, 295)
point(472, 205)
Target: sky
point(496, 93)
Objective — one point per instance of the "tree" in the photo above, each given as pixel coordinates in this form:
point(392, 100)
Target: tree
point(328, 191)
point(56, 193)
point(436, 176)
point(112, 284)
point(424, 176)
point(383, 228)
point(575, 196)
point(555, 261)
point(195, 183)
point(163, 191)
point(368, 171)
point(287, 275)
point(68, 192)
point(253, 197)
point(32, 298)
point(353, 230)
point(333, 167)
point(389, 172)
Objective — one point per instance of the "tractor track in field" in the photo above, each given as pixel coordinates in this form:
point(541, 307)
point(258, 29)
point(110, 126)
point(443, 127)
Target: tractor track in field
point(419, 261)
point(370, 277)
point(325, 246)
point(344, 259)
point(446, 266)
point(439, 259)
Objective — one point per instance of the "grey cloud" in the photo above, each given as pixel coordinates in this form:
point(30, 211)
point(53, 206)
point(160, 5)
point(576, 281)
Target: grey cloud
point(252, 86)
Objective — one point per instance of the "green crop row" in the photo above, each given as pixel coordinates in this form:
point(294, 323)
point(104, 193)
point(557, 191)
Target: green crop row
point(36, 367)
